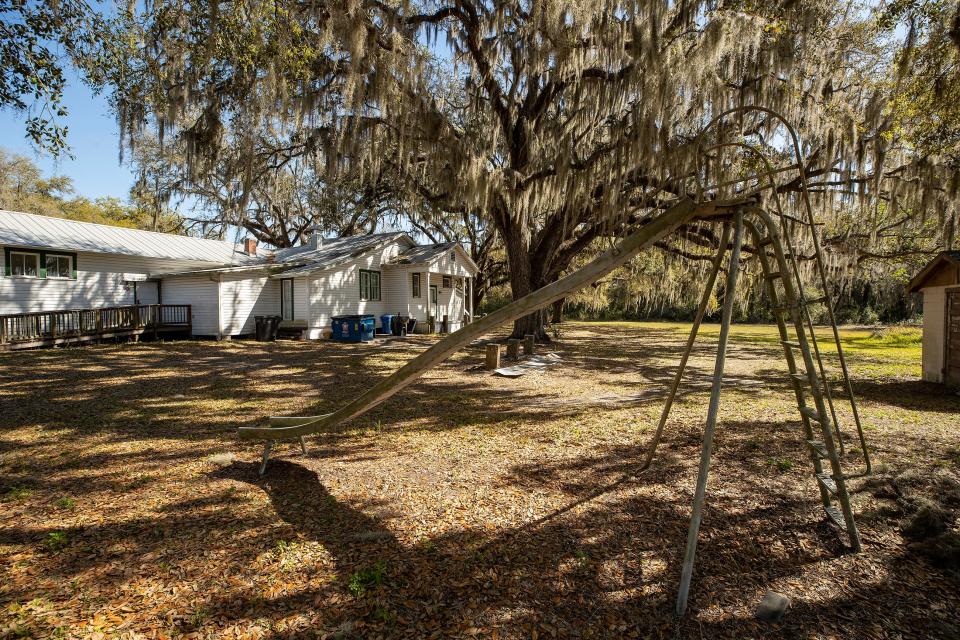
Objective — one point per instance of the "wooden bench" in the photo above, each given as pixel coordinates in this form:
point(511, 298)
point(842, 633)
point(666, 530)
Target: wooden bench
point(295, 329)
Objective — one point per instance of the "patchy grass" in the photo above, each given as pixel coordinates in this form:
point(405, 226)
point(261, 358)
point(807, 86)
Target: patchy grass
point(368, 578)
point(15, 494)
point(468, 505)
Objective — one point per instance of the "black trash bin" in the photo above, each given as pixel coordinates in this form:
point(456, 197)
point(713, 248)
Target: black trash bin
point(400, 325)
point(273, 327)
point(267, 327)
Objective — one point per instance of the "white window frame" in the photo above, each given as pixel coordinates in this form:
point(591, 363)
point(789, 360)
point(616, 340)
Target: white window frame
point(287, 305)
point(69, 260)
point(36, 260)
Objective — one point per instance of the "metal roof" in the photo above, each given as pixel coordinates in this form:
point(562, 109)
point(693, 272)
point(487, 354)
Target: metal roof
point(333, 252)
point(425, 253)
point(35, 231)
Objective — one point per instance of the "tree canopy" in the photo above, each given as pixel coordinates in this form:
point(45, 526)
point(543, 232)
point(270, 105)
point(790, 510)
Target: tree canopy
point(562, 123)
point(38, 40)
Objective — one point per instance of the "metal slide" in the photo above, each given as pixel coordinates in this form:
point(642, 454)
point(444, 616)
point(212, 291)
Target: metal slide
point(659, 227)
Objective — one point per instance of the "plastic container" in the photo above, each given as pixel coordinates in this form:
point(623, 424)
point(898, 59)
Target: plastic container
point(399, 325)
point(353, 328)
point(266, 327)
point(386, 323)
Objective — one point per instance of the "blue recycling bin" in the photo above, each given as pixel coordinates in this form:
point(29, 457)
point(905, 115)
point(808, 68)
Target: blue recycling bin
point(386, 323)
point(353, 328)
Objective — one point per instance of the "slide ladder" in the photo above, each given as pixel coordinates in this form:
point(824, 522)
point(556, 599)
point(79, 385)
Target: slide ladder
point(807, 373)
point(807, 376)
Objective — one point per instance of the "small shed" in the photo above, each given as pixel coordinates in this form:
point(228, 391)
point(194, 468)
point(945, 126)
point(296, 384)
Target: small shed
point(939, 282)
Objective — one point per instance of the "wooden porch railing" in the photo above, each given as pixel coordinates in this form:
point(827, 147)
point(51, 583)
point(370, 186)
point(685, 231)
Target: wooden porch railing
point(73, 325)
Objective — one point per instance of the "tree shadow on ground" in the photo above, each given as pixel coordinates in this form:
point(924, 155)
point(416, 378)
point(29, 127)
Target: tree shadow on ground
point(915, 395)
point(604, 561)
point(608, 559)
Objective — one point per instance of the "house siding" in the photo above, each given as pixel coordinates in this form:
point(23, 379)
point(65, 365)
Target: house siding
point(934, 332)
point(99, 283)
point(244, 296)
point(417, 307)
point(450, 265)
point(450, 302)
point(225, 304)
point(202, 292)
point(398, 291)
point(337, 291)
point(301, 300)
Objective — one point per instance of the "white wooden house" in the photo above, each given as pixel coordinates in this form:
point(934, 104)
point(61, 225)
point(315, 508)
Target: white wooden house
point(939, 282)
point(54, 264)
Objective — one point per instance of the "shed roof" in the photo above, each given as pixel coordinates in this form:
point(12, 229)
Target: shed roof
point(938, 272)
point(36, 231)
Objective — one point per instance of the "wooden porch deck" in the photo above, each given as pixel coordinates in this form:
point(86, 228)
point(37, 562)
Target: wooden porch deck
point(73, 326)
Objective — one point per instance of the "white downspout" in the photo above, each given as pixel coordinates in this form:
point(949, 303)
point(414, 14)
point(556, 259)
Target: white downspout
point(426, 315)
point(219, 282)
point(470, 298)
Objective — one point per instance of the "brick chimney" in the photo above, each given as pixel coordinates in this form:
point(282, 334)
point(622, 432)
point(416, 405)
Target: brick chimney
point(250, 246)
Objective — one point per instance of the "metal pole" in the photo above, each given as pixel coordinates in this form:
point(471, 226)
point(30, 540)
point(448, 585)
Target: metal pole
point(266, 456)
point(707, 293)
point(705, 452)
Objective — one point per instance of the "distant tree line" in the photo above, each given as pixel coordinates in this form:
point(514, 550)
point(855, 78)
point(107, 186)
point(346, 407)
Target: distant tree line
point(23, 187)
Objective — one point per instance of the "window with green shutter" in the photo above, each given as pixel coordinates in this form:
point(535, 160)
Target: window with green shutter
point(30, 263)
point(24, 265)
point(369, 285)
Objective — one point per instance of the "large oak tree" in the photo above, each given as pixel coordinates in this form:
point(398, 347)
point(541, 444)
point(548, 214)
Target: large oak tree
point(560, 122)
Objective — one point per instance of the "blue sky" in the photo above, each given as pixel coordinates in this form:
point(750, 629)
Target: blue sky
point(94, 143)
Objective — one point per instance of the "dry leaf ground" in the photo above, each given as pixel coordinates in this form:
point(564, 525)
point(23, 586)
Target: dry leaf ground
point(467, 506)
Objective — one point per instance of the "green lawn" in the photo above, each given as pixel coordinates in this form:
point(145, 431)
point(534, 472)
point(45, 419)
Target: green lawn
point(871, 351)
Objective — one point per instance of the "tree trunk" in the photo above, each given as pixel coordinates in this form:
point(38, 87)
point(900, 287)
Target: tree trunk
point(534, 324)
point(479, 291)
point(524, 279)
point(558, 311)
